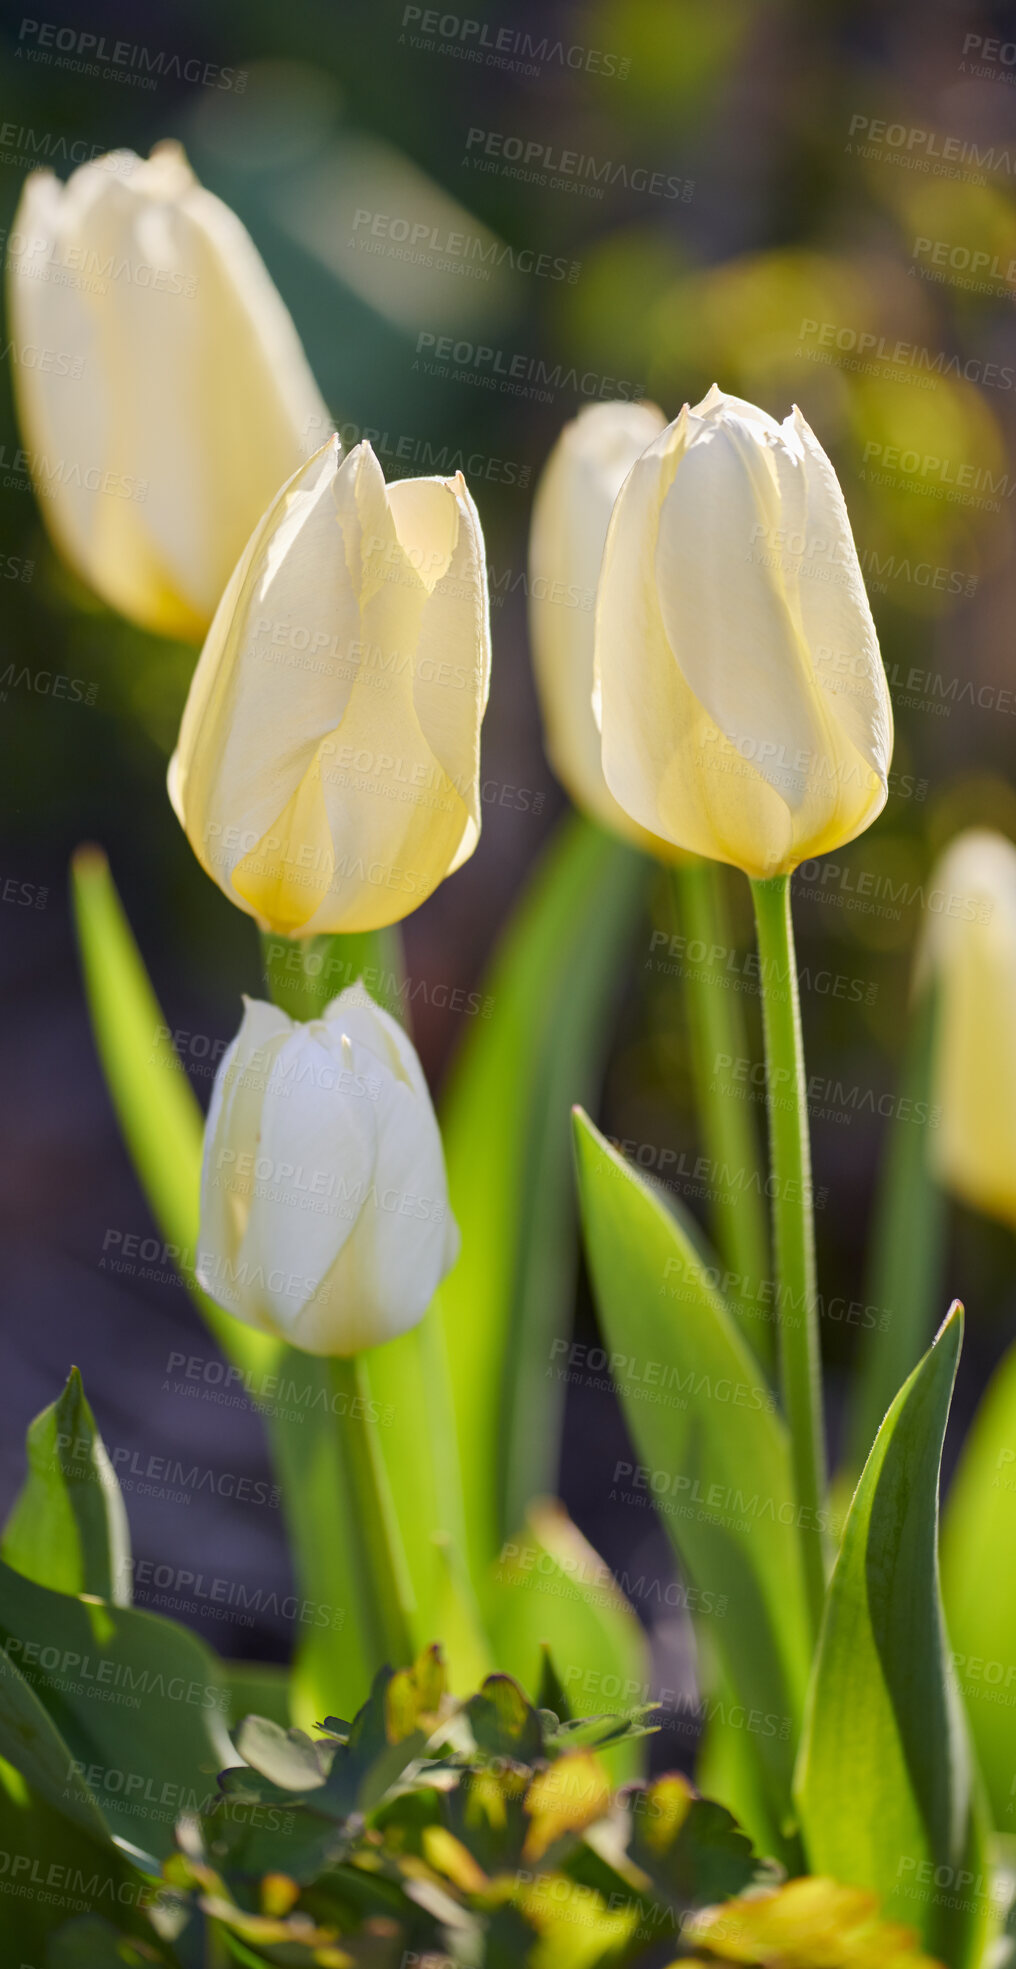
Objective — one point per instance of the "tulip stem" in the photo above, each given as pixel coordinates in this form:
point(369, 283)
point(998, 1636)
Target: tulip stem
point(383, 1568)
point(793, 1226)
point(718, 1040)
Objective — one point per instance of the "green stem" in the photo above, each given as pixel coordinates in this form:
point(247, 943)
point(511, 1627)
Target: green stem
point(304, 974)
point(718, 1041)
point(384, 1571)
point(793, 1227)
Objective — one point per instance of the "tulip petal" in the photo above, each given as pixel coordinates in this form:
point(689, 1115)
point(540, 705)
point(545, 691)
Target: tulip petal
point(194, 400)
point(571, 513)
point(233, 1116)
point(316, 1159)
point(721, 659)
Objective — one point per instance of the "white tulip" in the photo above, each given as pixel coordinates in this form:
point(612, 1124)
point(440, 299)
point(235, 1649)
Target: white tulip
point(328, 766)
point(324, 1204)
point(740, 693)
point(178, 397)
point(571, 513)
point(970, 953)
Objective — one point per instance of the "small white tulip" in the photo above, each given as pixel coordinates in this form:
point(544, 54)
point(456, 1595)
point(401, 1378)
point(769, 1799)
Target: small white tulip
point(740, 693)
point(324, 1203)
point(178, 398)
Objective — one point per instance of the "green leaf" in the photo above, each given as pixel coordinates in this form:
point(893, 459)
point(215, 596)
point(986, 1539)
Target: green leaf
point(67, 1526)
point(550, 1587)
point(92, 1943)
point(506, 1143)
point(550, 1689)
point(159, 1116)
point(714, 1453)
point(333, 1663)
point(33, 1743)
point(503, 1722)
point(690, 1847)
point(907, 1249)
point(79, 1870)
point(409, 1382)
point(885, 1785)
point(288, 1758)
point(136, 1710)
point(979, 1584)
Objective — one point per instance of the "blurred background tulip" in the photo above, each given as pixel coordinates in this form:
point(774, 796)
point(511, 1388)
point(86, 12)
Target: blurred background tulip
point(970, 957)
point(744, 709)
point(189, 399)
point(327, 772)
point(324, 1206)
point(571, 512)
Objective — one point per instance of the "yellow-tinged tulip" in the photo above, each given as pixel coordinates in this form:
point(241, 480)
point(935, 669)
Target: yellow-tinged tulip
point(327, 770)
point(970, 953)
point(740, 693)
point(324, 1205)
point(571, 513)
point(178, 397)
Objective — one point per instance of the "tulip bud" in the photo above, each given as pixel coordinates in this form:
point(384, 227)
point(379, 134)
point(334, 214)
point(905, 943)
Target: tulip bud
point(571, 513)
point(178, 397)
point(969, 954)
point(327, 770)
point(324, 1204)
point(740, 692)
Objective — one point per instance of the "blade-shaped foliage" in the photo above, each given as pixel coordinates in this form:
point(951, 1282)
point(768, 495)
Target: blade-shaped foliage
point(714, 1453)
point(67, 1527)
point(979, 1584)
point(907, 1250)
point(32, 1743)
point(505, 1125)
point(885, 1786)
point(159, 1116)
point(125, 1695)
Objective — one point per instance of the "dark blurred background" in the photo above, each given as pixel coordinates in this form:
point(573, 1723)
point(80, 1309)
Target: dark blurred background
point(803, 204)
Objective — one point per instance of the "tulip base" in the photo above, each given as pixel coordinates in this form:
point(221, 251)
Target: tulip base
point(793, 1226)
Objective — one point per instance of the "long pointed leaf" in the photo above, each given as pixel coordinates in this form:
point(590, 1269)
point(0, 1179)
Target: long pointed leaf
point(908, 1243)
point(715, 1456)
point(67, 1527)
point(128, 1693)
point(979, 1583)
point(160, 1118)
point(885, 1786)
point(507, 1148)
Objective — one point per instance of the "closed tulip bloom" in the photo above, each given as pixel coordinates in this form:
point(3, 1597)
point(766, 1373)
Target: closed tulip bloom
point(970, 955)
point(324, 1204)
point(740, 692)
point(571, 513)
point(178, 397)
point(327, 770)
